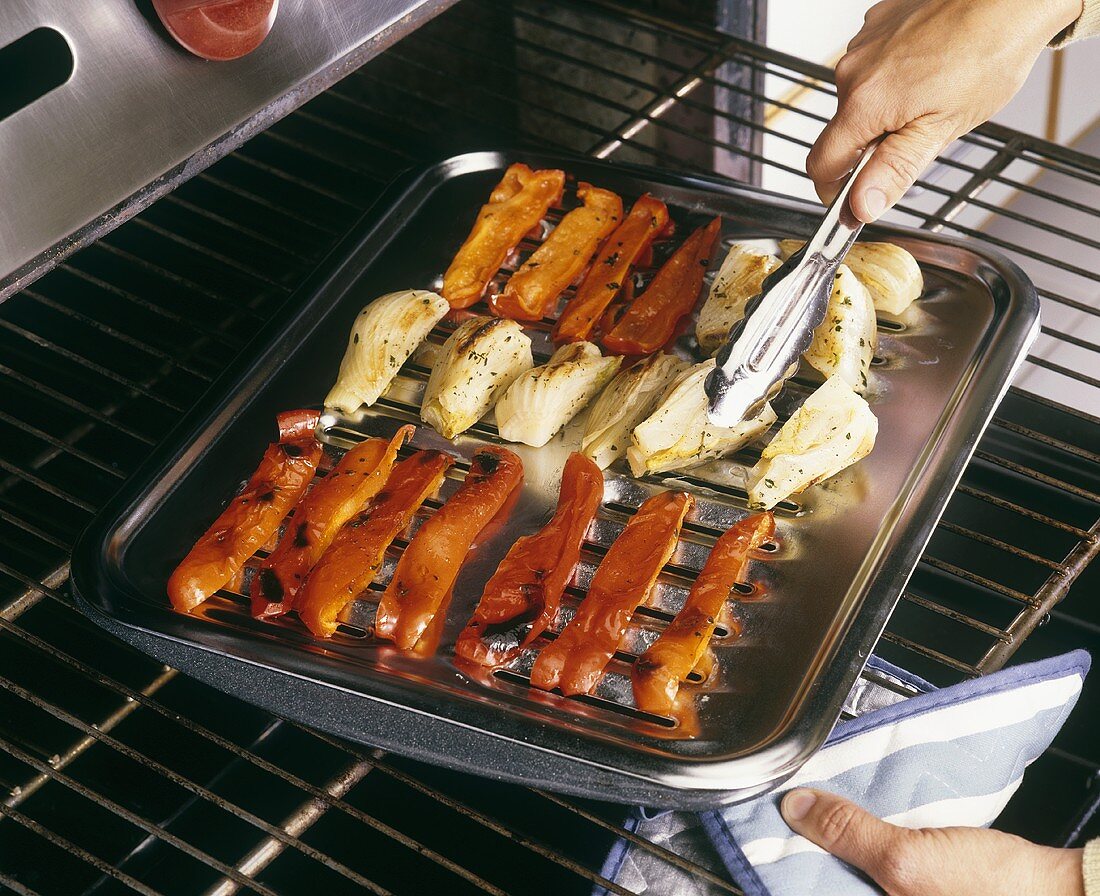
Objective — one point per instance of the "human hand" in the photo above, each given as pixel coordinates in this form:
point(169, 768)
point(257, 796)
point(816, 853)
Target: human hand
point(925, 72)
point(932, 861)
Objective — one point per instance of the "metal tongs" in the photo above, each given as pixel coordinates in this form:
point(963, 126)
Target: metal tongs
point(763, 349)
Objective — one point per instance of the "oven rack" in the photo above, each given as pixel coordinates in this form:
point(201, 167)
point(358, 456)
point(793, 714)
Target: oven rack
point(119, 775)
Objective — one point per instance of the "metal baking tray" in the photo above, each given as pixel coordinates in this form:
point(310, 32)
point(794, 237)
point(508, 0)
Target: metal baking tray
point(844, 552)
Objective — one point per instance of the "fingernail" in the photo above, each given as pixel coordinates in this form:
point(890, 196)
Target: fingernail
point(875, 201)
point(797, 804)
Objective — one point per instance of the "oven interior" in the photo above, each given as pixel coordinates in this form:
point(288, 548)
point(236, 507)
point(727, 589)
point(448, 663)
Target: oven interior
point(120, 775)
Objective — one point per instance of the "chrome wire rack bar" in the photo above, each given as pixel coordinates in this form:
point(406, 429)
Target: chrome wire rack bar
point(119, 775)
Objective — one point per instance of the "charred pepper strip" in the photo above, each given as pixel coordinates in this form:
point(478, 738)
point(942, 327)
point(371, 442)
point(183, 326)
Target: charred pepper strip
point(515, 207)
point(431, 563)
point(531, 291)
point(622, 250)
point(657, 674)
point(528, 584)
point(649, 322)
point(253, 516)
point(355, 555)
point(356, 479)
point(576, 659)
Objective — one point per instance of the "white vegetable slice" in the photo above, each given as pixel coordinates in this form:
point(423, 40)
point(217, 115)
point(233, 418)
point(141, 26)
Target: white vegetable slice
point(889, 272)
point(542, 400)
point(831, 431)
point(738, 280)
point(479, 361)
point(629, 398)
point(383, 336)
point(677, 435)
point(845, 342)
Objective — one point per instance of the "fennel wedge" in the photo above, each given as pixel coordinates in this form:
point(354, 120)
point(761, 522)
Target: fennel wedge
point(738, 280)
point(677, 435)
point(542, 400)
point(383, 336)
point(478, 362)
point(832, 430)
point(629, 398)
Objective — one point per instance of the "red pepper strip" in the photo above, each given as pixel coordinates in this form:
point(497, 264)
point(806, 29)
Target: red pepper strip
point(515, 207)
point(356, 479)
point(355, 555)
point(253, 516)
point(657, 674)
point(431, 563)
point(650, 320)
point(646, 221)
point(528, 584)
point(576, 659)
point(531, 291)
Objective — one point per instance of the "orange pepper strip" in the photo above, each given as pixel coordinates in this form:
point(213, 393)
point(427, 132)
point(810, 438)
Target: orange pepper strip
point(649, 322)
point(622, 250)
point(355, 555)
point(516, 205)
point(430, 564)
point(528, 584)
point(531, 291)
point(576, 659)
point(348, 487)
point(253, 516)
point(657, 674)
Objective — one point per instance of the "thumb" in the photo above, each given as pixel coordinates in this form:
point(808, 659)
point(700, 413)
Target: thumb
point(897, 163)
point(843, 829)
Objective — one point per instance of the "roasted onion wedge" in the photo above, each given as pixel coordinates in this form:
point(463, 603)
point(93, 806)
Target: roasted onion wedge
point(542, 400)
point(528, 584)
point(739, 280)
point(478, 362)
point(629, 398)
point(845, 341)
point(533, 290)
point(383, 336)
point(650, 321)
point(430, 564)
point(657, 674)
point(677, 435)
point(890, 273)
point(253, 517)
point(356, 479)
point(517, 204)
point(574, 661)
point(832, 430)
point(630, 242)
point(355, 555)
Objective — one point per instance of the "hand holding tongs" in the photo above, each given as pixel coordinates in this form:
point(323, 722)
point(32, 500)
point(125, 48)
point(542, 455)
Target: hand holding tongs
point(763, 349)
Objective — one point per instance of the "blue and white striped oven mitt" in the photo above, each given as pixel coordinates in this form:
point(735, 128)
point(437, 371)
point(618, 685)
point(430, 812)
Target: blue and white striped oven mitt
point(945, 757)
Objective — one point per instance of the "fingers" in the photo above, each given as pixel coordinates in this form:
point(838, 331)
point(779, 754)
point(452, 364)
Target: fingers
point(899, 160)
point(837, 150)
point(844, 829)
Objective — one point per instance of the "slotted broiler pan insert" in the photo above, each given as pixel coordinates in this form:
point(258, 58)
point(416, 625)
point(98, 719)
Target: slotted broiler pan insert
point(814, 610)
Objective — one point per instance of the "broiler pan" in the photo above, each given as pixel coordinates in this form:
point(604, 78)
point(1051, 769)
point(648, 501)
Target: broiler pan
point(844, 549)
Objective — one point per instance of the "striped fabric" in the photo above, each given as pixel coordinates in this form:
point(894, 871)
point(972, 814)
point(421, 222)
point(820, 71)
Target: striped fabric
point(946, 757)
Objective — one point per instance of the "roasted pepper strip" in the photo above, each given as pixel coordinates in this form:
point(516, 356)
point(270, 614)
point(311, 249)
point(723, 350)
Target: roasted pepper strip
point(657, 674)
point(531, 291)
point(355, 555)
point(622, 250)
point(253, 516)
point(431, 563)
point(356, 479)
point(649, 322)
point(576, 659)
point(528, 584)
point(518, 203)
